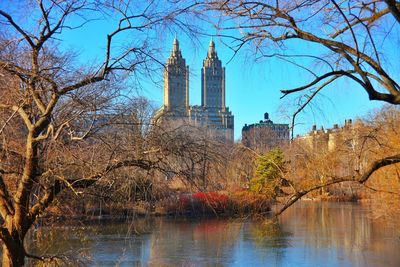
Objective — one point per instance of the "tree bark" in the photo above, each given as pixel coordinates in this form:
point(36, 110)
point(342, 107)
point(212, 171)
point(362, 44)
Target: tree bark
point(13, 245)
point(13, 258)
point(16, 225)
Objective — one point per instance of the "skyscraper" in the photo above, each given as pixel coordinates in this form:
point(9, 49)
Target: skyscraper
point(176, 82)
point(212, 114)
point(212, 81)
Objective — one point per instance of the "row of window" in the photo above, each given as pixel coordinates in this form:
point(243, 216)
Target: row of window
point(213, 78)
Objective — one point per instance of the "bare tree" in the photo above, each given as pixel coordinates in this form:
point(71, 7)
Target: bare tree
point(354, 154)
point(350, 40)
point(51, 107)
point(349, 36)
point(192, 152)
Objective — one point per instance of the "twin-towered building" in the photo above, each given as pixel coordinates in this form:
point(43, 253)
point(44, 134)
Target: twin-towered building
point(213, 113)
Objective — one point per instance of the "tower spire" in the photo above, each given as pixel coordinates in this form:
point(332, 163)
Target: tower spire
point(176, 81)
point(213, 80)
point(175, 48)
point(211, 49)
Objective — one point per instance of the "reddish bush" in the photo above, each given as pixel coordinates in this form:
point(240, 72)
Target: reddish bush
point(211, 201)
point(237, 203)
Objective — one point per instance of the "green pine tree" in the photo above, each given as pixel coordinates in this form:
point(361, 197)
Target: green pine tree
point(268, 173)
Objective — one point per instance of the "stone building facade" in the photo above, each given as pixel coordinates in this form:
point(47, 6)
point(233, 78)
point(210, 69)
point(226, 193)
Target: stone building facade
point(176, 82)
point(213, 113)
point(327, 140)
point(265, 135)
point(212, 81)
point(342, 144)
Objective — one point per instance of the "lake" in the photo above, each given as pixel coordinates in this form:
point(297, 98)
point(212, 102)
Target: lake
point(308, 234)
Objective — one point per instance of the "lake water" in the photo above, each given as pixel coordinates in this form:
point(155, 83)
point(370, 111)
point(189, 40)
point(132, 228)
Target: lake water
point(308, 234)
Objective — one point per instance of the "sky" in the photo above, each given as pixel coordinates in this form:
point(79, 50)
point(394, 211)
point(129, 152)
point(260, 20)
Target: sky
point(252, 87)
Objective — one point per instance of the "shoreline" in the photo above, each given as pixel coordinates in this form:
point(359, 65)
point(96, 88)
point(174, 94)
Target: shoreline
point(140, 214)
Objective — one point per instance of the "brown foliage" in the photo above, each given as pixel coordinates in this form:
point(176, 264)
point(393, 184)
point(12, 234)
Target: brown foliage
point(60, 126)
point(364, 154)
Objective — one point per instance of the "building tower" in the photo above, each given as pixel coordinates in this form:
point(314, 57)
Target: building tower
point(213, 81)
point(212, 115)
point(176, 82)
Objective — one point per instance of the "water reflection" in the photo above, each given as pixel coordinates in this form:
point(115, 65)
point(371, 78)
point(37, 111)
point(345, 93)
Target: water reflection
point(342, 232)
point(209, 242)
point(269, 234)
point(309, 234)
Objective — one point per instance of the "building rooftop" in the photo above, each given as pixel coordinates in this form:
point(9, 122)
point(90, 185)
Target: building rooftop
point(263, 123)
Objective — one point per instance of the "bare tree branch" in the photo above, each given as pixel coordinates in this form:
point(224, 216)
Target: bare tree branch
point(359, 178)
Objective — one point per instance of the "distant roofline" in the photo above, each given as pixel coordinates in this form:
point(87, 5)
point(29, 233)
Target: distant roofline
point(266, 123)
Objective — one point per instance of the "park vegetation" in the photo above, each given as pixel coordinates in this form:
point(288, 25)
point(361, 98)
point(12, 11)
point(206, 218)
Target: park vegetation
point(73, 145)
point(346, 40)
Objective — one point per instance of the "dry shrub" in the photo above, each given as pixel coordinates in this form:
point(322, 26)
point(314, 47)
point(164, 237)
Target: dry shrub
point(245, 202)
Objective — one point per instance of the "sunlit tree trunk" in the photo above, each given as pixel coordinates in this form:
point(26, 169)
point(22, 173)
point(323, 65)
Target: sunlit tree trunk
point(13, 250)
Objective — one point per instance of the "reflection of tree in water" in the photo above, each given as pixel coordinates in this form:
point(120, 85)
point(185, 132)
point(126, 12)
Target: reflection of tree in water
point(269, 234)
point(72, 243)
point(208, 242)
point(318, 232)
point(344, 228)
point(75, 244)
point(328, 225)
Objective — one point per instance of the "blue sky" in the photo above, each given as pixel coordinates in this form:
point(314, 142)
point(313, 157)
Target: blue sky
point(252, 88)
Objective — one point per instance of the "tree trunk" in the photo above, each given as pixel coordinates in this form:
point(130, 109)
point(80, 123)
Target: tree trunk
point(14, 257)
point(13, 245)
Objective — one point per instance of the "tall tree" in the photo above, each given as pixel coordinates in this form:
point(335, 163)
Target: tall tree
point(50, 104)
point(352, 40)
